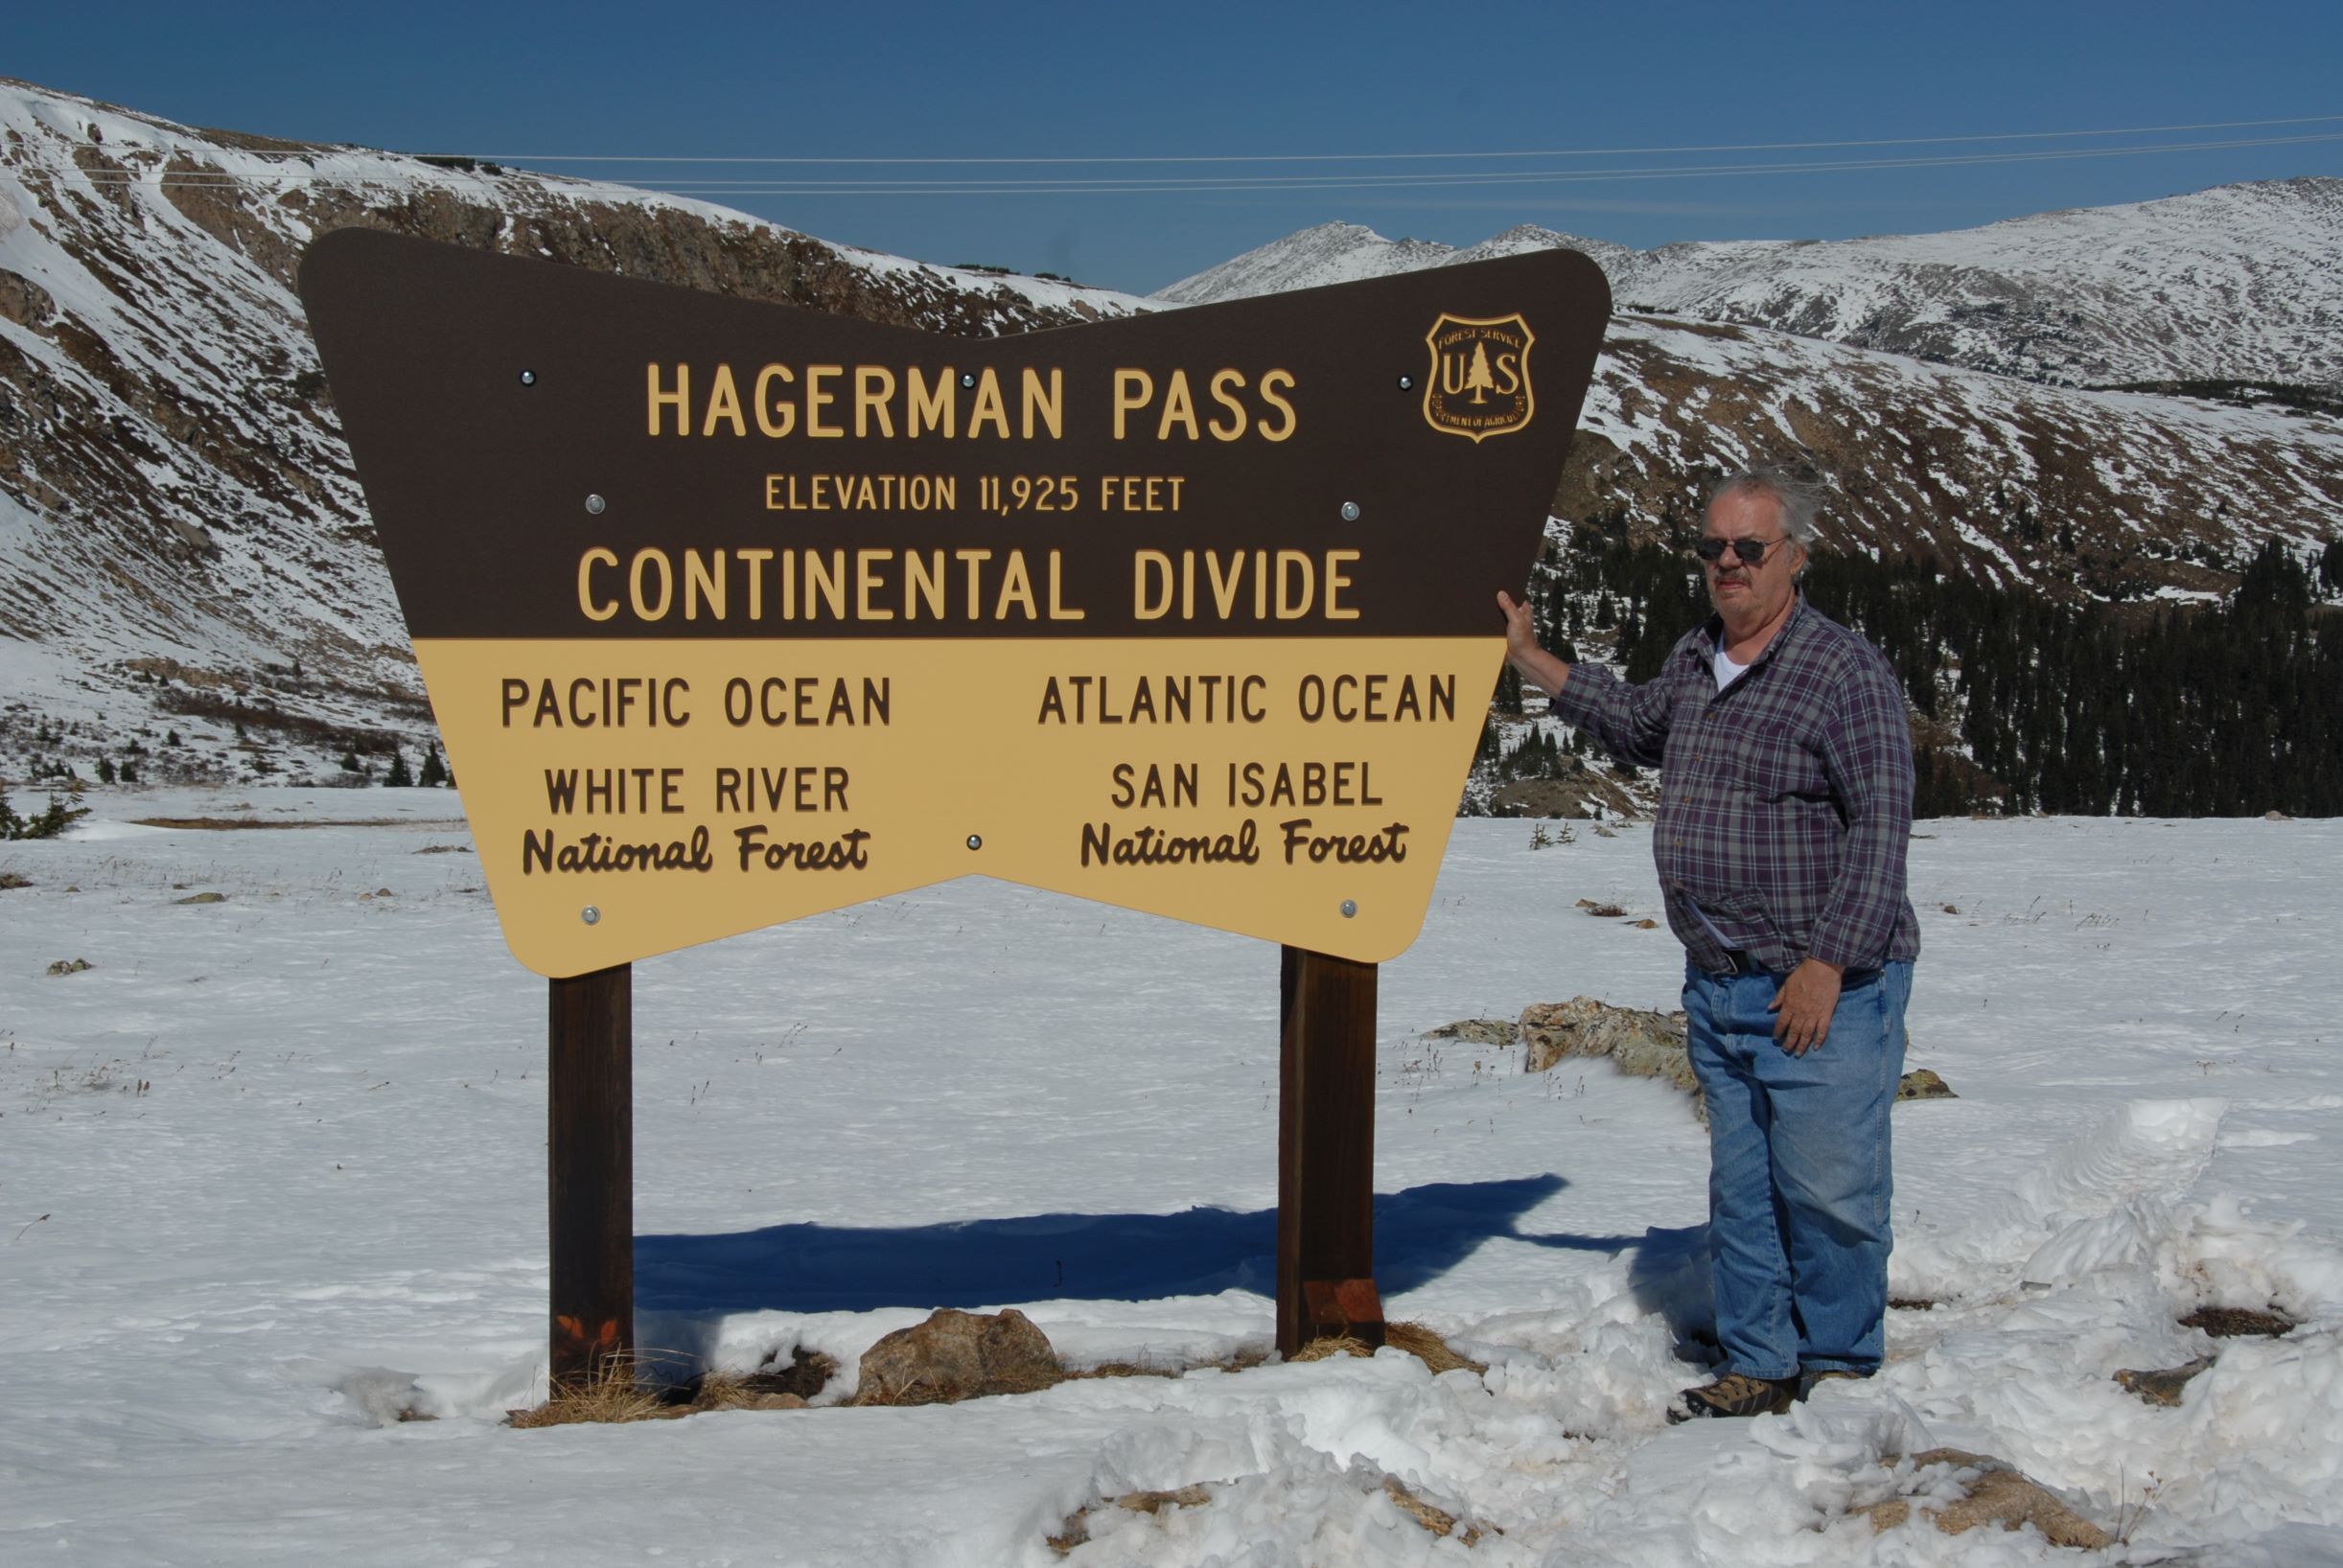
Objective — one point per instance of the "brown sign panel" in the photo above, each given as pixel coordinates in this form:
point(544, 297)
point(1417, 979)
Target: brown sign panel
point(733, 614)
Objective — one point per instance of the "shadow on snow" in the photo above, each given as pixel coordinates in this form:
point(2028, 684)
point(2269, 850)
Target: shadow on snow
point(1419, 1235)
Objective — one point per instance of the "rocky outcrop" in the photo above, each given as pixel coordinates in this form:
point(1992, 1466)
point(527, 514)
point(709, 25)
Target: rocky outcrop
point(25, 301)
point(1992, 1493)
point(958, 1355)
point(2239, 1322)
point(1645, 1045)
point(2163, 1386)
point(1922, 1084)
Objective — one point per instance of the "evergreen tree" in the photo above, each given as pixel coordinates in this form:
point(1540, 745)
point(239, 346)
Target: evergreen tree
point(434, 774)
point(1478, 380)
point(2082, 708)
point(48, 824)
point(399, 777)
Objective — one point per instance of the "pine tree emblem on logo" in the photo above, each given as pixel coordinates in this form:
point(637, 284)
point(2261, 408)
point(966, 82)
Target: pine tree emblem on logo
point(1479, 380)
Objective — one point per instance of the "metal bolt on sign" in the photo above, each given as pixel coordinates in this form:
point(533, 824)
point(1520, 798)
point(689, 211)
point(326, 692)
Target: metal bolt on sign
point(596, 506)
point(976, 841)
point(1350, 511)
point(590, 915)
point(1350, 908)
point(1407, 384)
point(528, 378)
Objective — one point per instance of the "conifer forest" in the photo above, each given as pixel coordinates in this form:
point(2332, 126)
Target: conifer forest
point(2022, 702)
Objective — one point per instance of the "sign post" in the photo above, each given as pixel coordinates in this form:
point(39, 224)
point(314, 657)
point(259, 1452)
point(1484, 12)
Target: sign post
point(1326, 1151)
point(733, 614)
point(589, 1127)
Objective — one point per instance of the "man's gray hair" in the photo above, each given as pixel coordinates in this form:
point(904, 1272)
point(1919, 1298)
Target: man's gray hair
point(1796, 496)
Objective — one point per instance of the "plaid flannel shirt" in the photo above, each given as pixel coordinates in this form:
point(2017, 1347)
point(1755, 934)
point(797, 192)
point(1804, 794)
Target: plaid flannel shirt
point(1785, 799)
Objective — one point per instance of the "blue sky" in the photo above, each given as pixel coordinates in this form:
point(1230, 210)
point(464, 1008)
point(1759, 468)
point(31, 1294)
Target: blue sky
point(913, 80)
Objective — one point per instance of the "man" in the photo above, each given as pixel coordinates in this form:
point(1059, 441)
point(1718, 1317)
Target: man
point(1785, 805)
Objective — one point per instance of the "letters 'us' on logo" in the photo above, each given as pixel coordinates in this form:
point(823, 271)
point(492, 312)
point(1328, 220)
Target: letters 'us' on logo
point(1478, 384)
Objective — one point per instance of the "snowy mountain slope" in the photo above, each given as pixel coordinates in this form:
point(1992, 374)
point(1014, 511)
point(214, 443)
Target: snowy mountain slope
point(2233, 283)
point(177, 502)
point(1331, 253)
point(2110, 494)
point(1528, 237)
point(1315, 257)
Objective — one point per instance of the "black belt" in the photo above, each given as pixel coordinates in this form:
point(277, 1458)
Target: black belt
point(1744, 963)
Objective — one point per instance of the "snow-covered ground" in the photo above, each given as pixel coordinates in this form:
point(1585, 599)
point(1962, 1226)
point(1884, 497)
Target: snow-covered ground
point(272, 1169)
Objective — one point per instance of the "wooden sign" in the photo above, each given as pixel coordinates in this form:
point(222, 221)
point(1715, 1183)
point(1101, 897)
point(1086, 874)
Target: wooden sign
point(731, 614)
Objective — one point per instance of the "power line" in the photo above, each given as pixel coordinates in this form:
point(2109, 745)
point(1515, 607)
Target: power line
point(1404, 158)
point(1178, 185)
point(1372, 182)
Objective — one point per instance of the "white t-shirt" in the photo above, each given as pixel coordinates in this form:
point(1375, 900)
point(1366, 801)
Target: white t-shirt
point(1727, 672)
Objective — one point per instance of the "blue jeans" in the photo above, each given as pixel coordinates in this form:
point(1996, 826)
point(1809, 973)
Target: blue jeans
point(1798, 1178)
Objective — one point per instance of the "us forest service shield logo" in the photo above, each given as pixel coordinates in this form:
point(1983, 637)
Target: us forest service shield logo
point(1479, 382)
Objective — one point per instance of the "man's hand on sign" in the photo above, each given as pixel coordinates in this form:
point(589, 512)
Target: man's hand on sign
point(1520, 633)
point(1803, 1006)
point(1522, 651)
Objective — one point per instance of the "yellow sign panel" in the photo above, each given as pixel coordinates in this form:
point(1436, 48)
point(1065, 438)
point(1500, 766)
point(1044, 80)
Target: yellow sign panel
point(646, 795)
point(731, 614)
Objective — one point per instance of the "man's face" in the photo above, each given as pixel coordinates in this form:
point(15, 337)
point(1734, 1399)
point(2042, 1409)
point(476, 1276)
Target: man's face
point(1749, 597)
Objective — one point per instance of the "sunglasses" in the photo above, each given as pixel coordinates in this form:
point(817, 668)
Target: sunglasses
point(1750, 552)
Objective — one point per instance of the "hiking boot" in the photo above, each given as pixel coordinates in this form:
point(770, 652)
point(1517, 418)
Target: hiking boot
point(1736, 1394)
point(1814, 1379)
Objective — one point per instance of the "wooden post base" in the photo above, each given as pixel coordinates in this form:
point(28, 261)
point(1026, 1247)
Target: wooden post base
point(1342, 1309)
point(1326, 1151)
